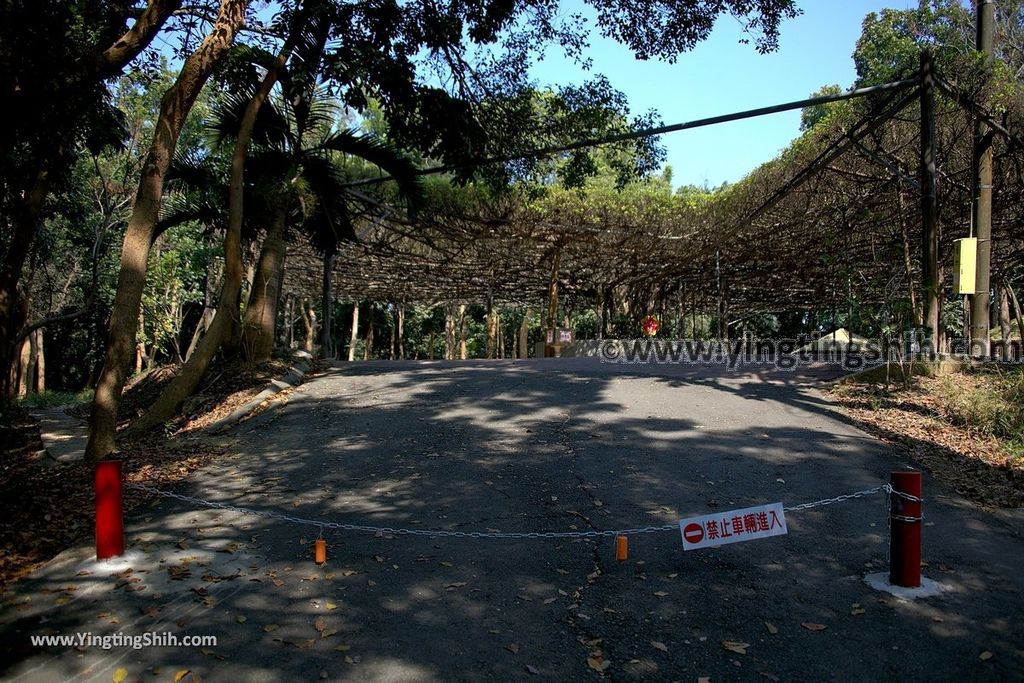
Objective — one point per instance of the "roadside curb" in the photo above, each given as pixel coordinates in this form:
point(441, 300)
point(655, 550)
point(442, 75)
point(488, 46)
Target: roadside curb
point(294, 377)
point(63, 435)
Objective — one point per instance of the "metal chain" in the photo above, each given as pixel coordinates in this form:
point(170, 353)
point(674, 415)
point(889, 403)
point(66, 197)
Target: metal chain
point(905, 496)
point(838, 499)
point(442, 533)
point(398, 531)
point(904, 518)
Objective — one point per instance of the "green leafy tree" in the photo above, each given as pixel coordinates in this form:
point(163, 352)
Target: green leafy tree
point(811, 116)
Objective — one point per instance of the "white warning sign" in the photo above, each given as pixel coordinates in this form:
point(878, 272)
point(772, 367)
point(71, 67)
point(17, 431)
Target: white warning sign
point(734, 526)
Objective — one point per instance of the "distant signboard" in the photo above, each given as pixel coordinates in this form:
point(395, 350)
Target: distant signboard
point(561, 335)
point(734, 526)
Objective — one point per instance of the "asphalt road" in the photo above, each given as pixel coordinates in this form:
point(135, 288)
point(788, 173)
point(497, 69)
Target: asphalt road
point(544, 445)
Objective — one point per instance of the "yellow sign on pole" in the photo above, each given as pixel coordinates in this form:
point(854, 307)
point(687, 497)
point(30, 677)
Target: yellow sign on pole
point(965, 261)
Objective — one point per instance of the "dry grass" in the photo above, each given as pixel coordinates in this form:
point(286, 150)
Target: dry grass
point(965, 428)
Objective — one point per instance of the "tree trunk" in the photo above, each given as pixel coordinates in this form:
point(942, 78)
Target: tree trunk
point(327, 309)
point(288, 328)
point(191, 373)
point(353, 338)
point(553, 291)
point(1004, 322)
point(24, 368)
point(174, 108)
point(260, 319)
point(308, 325)
point(1017, 312)
point(140, 345)
point(368, 342)
point(430, 346)
point(391, 328)
point(212, 279)
point(13, 307)
point(524, 334)
point(449, 332)
point(462, 332)
point(492, 330)
point(32, 368)
point(40, 362)
point(401, 331)
point(501, 340)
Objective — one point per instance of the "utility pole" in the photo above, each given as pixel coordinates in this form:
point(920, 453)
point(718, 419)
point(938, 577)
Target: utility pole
point(980, 339)
point(929, 204)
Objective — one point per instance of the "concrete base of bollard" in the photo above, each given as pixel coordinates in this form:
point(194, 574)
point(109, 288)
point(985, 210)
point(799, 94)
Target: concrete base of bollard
point(927, 589)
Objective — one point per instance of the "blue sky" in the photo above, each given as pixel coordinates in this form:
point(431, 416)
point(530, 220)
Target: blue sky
point(722, 76)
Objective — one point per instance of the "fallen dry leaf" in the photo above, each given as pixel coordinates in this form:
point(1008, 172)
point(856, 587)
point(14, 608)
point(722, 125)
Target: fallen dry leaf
point(772, 628)
point(985, 656)
point(598, 664)
point(856, 609)
point(735, 646)
point(513, 648)
point(119, 675)
point(811, 626)
point(657, 645)
point(270, 627)
point(180, 675)
point(532, 669)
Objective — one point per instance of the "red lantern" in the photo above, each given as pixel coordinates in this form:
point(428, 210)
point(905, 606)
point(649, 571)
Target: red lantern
point(650, 326)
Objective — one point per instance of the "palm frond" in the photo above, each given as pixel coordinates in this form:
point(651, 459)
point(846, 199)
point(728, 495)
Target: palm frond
point(329, 225)
point(193, 172)
point(178, 208)
point(313, 20)
point(272, 127)
point(379, 153)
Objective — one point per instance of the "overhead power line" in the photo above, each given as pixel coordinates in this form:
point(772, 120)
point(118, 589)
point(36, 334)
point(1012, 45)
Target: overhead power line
point(650, 132)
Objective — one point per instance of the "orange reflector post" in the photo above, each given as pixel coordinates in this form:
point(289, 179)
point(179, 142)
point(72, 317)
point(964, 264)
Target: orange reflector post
point(320, 551)
point(621, 548)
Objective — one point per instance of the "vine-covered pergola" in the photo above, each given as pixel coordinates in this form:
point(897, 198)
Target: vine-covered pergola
point(866, 211)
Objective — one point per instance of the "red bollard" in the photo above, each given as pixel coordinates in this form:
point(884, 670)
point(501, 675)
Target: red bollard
point(905, 530)
point(109, 510)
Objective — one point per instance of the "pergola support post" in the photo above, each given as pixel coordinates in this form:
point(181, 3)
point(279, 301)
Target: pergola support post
point(929, 204)
point(982, 161)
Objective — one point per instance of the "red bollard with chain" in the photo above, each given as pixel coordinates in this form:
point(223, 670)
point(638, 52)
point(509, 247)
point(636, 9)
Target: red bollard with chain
point(109, 509)
point(905, 529)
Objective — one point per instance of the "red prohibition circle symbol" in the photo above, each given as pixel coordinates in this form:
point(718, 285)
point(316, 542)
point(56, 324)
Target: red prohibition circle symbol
point(693, 533)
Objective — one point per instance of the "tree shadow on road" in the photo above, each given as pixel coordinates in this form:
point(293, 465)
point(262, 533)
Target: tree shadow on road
point(526, 447)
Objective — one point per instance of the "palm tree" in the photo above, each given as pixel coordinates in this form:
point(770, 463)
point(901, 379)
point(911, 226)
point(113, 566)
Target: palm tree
point(296, 178)
point(304, 166)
